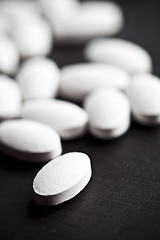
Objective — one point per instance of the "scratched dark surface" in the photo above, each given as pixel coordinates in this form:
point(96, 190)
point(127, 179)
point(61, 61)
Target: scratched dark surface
point(122, 201)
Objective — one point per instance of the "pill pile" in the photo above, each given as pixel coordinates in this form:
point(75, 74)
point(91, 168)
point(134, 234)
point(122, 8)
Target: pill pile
point(99, 96)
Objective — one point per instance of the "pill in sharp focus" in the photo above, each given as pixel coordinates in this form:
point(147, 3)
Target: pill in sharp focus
point(9, 55)
point(62, 179)
point(38, 78)
point(29, 141)
point(144, 95)
point(33, 36)
point(78, 80)
point(68, 119)
point(109, 113)
point(10, 98)
point(118, 52)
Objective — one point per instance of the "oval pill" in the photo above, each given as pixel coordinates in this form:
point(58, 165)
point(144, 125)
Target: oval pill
point(62, 179)
point(91, 19)
point(68, 119)
point(9, 55)
point(58, 11)
point(144, 95)
point(10, 98)
point(29, 141)
point(78, 80)
point(38, 78)
point(121, 53)
point(109, 113)
point(33, 36)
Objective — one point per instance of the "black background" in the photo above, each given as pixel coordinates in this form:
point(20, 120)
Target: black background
point(122, 201)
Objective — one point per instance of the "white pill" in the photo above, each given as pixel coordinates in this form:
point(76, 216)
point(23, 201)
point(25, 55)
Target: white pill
point(68, 119)
point(4, 23)
point(39, 78)
point(92, 20)
point(62, 179)
point(58, 11)
point(109, 113)
point(29, 141)
point(15, 8)
point(144, 96)
point(121, 53)
point(33, 36)
point(79, 79)
point(9, 55)
point(10, 98)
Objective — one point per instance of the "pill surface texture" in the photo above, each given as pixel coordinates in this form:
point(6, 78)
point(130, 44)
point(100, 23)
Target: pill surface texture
point(121, 53)
point(78, 80)
point(144, 95)
point(62, 179)
point(29, 141)
point(38, 78)
point(10, 98)
point(109, 113)
point(68, 119)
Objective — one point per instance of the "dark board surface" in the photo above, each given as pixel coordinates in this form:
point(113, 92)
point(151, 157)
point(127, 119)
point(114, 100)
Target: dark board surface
point(122, 201)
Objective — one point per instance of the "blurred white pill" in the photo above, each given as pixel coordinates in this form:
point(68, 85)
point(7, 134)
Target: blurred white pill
point(78, 80)
point(29, 141)
point(38, 78)
point(68, 119)
point(109, 113)
point(62, 179)
point(144, 95)
point(10, 98)
point(9, 55)
point(121, 53)
point(16, 8)
point(33, 36)
point(58, 11)
point(4, 24)
point(93, 19)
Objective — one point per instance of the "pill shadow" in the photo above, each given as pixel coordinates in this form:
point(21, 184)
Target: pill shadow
point(38, 210)
point(140, 128)
point(18, 165)
point(79, 201)
point(67, 54)
point(35, 210)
